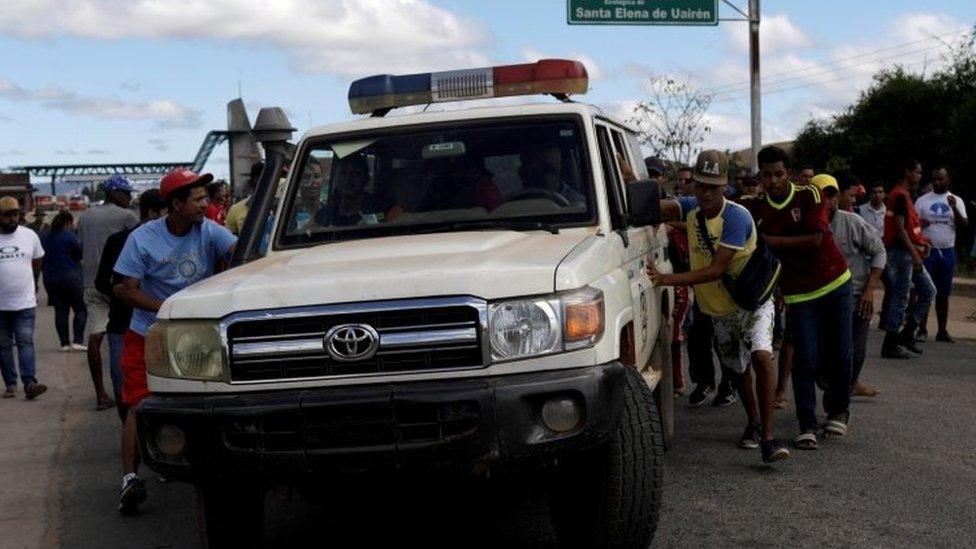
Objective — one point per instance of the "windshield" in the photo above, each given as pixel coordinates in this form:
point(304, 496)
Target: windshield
point(507, 175)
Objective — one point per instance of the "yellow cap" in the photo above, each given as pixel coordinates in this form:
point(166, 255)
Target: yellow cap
point(823, 180)
point(9, 203)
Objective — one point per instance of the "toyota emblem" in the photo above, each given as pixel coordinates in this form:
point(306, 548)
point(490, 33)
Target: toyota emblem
point(348, 342)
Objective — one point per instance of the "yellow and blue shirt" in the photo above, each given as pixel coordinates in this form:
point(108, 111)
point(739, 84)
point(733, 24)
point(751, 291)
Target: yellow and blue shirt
point(732, 228)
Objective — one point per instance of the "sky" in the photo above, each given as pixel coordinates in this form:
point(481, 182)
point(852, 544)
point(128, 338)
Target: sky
point(97, 81)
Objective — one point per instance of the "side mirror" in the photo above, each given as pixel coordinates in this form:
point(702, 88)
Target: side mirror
point(644, 199)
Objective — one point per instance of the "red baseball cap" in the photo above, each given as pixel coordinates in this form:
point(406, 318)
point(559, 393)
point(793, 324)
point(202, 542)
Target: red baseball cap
point(179, 178)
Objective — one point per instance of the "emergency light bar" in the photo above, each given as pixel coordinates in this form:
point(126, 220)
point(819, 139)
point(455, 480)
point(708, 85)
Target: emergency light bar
point(380, 93)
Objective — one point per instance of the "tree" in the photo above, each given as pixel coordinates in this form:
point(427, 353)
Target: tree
point(904, 115)
point(672, 123)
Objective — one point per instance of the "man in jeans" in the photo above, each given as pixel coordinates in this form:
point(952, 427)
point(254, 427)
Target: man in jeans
point(866, 257)
point(906, 249)
point(94, 228)
point(20, 264)
point(817, 290)
point(941, 213)
point(151, 206)
point(744, 338)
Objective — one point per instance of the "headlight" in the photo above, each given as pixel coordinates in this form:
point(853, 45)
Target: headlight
point(529, 327)
point(186, 349)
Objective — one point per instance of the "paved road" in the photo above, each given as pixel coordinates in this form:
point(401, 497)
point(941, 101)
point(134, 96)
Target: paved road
point(905, 477)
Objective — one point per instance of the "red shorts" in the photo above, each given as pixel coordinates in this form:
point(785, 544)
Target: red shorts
point(134, 386)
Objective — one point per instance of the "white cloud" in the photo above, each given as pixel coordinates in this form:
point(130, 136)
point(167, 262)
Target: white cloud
point(165, 112)
point(593, 69)
point(343, 37)
point(777, 34)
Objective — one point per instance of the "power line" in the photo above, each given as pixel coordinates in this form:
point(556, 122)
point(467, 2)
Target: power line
point(772, 77)
point(807, 85)
point(829, 70)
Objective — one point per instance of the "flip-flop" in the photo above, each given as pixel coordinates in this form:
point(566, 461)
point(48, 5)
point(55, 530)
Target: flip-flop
point(806, 441)
point(104, 404)
point(781, 403)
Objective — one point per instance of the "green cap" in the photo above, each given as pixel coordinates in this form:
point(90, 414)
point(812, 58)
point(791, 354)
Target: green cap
point(711, 168)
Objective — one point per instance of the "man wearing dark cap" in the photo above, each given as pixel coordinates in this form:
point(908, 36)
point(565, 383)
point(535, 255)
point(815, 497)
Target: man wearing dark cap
point(744, 338)
point(94, 228)
point(160, 258)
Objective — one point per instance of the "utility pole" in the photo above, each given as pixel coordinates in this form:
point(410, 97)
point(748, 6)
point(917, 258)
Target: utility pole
point(754, 92)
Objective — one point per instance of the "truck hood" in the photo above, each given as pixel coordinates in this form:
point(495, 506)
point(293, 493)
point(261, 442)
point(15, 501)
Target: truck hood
point(486, 264)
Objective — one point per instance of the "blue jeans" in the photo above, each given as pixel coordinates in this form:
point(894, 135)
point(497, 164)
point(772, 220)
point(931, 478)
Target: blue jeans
point(115, 363)
point(899, 277)
point(822, 349)
point(17, 327)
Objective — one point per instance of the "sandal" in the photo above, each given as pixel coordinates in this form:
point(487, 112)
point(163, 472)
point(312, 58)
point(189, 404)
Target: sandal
point(835, 426)
point(806, 440)
point(104, 404)
point(780, 403)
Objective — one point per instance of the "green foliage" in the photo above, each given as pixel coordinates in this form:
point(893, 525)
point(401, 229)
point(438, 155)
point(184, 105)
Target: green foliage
point(902, 115)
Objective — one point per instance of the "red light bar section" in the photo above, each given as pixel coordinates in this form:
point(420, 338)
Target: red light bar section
point(543, 76)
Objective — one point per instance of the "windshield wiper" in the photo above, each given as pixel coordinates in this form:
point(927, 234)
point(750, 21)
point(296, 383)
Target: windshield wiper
point(490, 224)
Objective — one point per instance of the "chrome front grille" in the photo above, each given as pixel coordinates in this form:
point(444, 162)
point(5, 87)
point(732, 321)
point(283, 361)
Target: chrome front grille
point(414, 336)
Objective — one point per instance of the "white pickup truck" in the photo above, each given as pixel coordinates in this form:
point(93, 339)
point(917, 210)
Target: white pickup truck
point(463, 289)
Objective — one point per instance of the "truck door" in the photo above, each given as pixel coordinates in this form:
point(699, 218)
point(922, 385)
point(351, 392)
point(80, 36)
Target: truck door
point(635, 253)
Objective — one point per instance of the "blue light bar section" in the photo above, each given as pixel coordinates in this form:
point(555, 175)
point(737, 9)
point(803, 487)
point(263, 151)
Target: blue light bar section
point(387, 91)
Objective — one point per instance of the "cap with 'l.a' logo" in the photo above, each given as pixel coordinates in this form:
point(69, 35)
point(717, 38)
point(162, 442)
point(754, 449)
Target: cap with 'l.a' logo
point(711, 168)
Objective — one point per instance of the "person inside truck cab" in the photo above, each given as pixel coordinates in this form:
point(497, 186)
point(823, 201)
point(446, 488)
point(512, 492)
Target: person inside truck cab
point(348, 198)
point(541, 171)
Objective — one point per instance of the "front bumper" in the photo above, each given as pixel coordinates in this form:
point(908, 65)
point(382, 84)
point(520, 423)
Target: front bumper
point(285, 434)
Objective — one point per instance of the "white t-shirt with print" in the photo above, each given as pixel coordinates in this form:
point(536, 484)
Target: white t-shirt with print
point(17, 250)
point(935, 209)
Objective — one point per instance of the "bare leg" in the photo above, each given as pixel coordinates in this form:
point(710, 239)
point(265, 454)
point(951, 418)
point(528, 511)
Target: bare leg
point(747, 394)
point(762, 364)
point(95, 365)
point(783, 379)
point(130, 444)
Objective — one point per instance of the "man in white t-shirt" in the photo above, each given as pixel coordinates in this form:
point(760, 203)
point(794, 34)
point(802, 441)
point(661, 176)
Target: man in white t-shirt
point(941, 213)
point(20, 263)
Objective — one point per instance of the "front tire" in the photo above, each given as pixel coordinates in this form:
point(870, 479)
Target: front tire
point(611, 496)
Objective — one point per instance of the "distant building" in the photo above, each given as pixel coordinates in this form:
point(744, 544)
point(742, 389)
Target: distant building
point(18, 185)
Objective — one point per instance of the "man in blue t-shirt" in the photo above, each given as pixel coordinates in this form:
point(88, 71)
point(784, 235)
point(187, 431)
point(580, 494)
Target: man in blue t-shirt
point(159, 259)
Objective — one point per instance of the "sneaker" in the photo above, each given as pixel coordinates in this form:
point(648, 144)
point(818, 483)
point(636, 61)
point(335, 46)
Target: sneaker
point(750, 437)
point(78, 347)
point(133, 493)
point(891, 348)
point(66, 348)
point(34, 390)
point(772, 451)
point(944, 337)
point(724, 397)
point(922, 336)
point(10, 392)
point(699, 395)
point(836, 425)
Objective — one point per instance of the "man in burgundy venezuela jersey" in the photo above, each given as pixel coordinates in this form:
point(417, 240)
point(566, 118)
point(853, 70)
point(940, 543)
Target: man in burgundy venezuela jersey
point(816, 287)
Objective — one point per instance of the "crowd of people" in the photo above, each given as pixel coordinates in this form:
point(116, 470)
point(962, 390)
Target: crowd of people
point(112, 270)
point(793, 259)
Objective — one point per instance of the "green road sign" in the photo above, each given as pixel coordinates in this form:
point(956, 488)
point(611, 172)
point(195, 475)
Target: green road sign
point(642, 12)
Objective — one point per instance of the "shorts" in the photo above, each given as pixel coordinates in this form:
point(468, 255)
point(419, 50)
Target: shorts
point(134, 384)
point(739, 334)
point(97, 304)
point(941, 264)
